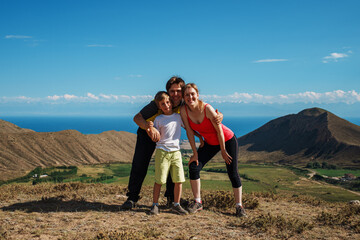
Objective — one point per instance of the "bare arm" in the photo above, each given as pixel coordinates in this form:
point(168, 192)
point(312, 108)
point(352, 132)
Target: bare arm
point(220, 134)
point(147, 126)
point(190, 135)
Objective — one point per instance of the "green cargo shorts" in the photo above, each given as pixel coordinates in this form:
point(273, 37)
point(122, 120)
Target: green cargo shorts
point(166, 162)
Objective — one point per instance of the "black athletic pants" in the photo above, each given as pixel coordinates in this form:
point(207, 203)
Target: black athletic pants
point(144, 150)
point(207, 152)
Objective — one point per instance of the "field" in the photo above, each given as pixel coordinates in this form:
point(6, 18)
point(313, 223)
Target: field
point(255, 178)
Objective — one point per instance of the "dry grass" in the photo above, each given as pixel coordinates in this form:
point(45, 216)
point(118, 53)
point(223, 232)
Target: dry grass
point(92, 211)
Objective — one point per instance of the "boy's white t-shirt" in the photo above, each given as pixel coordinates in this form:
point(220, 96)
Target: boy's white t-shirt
point(169, 127)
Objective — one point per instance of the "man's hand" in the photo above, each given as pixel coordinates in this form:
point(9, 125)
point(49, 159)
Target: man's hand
point(219, 117)
point(153, 134)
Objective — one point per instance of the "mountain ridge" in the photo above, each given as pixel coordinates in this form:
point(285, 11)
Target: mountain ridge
point(23, 150)
point(312, 134)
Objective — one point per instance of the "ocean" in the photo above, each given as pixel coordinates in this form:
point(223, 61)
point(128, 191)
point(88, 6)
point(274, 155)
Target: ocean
point(94, 125)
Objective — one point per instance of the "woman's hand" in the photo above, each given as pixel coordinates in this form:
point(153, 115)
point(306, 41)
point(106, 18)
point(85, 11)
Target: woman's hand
point(201, 142)
point(226, 157)
point(194, 158)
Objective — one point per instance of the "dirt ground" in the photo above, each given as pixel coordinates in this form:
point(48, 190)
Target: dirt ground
point(92, 211)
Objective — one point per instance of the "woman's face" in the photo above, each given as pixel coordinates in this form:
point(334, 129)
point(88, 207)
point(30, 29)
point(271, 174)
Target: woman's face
point(191, 96)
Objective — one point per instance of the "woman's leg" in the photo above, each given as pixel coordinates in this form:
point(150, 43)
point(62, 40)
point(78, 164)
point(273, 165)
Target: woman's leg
point(204, 155)
point(232, 169)
point(238, 195)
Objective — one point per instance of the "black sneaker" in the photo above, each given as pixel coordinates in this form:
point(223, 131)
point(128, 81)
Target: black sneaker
point(240, 211)
point(195, 207)
point(179, 210)
point(154, 210)
point(128, 205)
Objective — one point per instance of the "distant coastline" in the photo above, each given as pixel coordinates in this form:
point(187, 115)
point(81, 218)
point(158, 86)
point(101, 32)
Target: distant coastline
point(96, 125)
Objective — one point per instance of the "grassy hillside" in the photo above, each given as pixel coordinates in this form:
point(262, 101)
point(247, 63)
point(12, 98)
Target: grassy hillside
point(255, 178)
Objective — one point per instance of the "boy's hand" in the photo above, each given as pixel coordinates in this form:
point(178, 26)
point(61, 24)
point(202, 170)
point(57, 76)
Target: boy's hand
point(153, 133)
point(149, 124)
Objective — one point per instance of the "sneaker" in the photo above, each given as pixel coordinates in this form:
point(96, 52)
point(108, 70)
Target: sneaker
point(240, 211)
point(169, 202)
point(128, 205)
point(179, 210)
point(195, 207)
point(154, 210)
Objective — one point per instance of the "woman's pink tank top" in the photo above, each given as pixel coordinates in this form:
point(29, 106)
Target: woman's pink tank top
point(207, 130)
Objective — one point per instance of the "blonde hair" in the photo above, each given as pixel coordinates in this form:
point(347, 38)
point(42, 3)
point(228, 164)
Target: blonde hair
point(192, 85)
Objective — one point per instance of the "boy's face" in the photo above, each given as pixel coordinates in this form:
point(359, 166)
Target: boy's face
point(166, 106)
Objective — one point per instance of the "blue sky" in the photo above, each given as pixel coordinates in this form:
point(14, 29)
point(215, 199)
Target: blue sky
point(111, 57)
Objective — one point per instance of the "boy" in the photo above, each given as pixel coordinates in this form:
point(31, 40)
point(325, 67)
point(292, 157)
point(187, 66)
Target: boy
point(167, 155)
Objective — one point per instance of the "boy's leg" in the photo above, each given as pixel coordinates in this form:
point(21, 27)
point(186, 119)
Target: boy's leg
point(156, 192)
point(143, 151)
point(177, 192)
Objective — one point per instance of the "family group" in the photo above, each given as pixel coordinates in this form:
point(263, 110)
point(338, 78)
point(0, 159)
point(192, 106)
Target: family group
point(159, 130)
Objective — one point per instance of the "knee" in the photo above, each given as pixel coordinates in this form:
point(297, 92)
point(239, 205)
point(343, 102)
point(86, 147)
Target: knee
point(194, 171)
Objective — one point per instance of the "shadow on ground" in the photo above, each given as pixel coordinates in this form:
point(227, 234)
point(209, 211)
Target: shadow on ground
point(58, 204)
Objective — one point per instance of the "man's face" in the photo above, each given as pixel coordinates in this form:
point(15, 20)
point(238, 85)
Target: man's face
point(175, 94)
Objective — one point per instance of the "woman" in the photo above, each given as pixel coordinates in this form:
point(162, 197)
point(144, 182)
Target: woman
point(198, 116)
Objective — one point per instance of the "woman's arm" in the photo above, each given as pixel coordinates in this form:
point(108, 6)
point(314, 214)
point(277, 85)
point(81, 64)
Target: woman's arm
point(190, 135)
point(210, 113)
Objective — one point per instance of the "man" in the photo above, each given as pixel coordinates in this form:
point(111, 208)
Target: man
point(147, 136)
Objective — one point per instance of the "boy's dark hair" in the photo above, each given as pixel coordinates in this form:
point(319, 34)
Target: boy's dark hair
point(160, 96)
point(175, 80)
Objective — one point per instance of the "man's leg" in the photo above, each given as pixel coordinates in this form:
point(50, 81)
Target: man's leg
point(169, 193)
point(143, 151)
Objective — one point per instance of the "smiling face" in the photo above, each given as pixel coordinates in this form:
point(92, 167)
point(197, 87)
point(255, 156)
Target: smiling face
point(191, 96)
point(175, 93)
point(165, 106)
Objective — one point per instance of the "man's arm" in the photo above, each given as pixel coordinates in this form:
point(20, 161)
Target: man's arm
point(152, 132)
point(141, 122)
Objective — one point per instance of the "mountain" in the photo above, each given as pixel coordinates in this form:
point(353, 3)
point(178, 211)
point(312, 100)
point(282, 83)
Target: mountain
point(22, 150)
point(313, 134)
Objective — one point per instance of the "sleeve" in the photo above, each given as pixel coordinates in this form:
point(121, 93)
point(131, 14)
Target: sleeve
point(156, 123)
point(149, 110)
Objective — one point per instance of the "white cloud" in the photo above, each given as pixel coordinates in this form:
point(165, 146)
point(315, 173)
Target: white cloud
point(92, 96)
point(334, 57)
point(17, 37)
point(270, 60)
point(100, 45)
point(337, 96)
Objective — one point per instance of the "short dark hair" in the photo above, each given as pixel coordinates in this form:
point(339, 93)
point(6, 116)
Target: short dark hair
point(175, 80)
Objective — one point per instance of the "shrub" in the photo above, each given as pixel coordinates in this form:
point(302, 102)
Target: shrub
point(279, 225)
